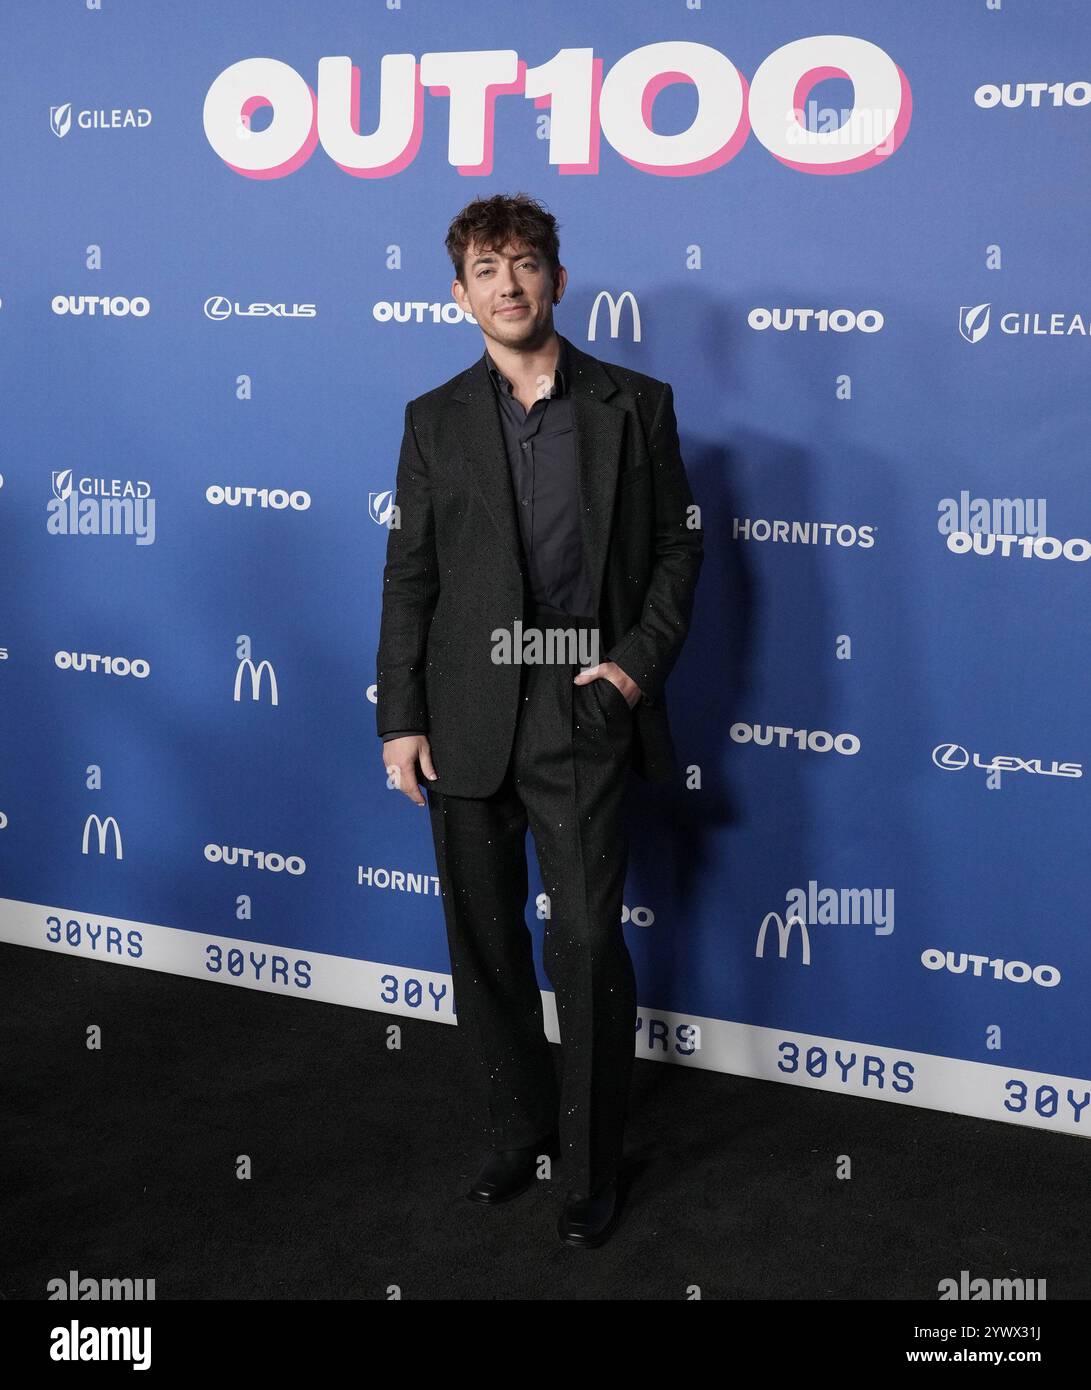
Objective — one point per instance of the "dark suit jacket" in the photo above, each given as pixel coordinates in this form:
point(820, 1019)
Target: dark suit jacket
point(455, 570)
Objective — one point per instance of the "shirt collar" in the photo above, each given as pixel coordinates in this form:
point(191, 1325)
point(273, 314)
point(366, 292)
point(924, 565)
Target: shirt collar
point(560, 378)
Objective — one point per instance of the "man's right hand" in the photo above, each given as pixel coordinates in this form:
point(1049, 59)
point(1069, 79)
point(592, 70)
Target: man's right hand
point(400, 757)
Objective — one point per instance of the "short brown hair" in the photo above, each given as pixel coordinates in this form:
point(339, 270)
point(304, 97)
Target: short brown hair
point(493, 222)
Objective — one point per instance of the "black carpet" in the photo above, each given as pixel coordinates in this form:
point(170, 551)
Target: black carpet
point(123, 1163)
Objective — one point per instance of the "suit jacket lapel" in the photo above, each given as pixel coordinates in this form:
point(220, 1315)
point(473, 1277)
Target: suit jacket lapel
point(599, 429)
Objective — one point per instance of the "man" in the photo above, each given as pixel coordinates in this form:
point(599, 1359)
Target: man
point(539, 486)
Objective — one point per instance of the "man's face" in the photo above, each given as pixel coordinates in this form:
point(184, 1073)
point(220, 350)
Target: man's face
point(511, 293)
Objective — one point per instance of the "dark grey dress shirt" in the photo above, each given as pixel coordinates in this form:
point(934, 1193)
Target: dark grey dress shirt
point(541, 449)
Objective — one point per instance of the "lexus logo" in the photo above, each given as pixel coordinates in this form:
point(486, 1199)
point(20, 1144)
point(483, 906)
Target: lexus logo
point(952, 757)
point(219, 307)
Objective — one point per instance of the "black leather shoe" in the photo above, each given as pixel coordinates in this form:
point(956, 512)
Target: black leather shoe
point(587, 1221)
point(509, 1172)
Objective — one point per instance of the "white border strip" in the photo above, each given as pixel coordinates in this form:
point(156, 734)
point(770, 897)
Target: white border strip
point(984, 1090)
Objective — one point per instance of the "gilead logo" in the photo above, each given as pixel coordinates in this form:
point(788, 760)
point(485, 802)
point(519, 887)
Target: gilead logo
point(583, 104)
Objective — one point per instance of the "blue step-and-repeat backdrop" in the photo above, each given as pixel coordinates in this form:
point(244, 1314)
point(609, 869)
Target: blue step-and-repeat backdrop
point(852, 235)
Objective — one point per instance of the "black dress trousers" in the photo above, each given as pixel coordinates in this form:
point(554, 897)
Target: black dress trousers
point(566, 779)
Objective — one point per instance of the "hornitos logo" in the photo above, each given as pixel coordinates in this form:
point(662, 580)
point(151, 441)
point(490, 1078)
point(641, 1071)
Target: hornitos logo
point(277, 498)
point(783, 736)
point(818, 320)
point(105, 306)
point(120, 118)
point(218, 306)
point(974, 321)
point(952, 757)
point(101, 507)
point(397, 880)
point(585, 106)
point(1004, 526)
point(803, 532)
point(100, 665)
point(419, 311)
point(1017, 972)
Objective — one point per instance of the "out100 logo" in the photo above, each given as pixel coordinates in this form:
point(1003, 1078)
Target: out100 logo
point(583, 106)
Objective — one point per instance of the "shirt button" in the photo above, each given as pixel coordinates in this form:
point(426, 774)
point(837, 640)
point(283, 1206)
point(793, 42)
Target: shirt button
point(526, 445)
